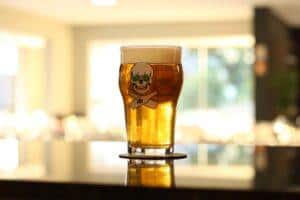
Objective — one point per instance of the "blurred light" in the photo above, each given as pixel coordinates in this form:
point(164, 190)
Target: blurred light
point(230, 92)
point(261, 52)
point(72, 128)
point(39, 124)
point(232, 55)
point(9, 154)
point(30, 41)
point(283, 130)
point(249, 58)
point(40, 118)
point(9, 58)
point(21, 121)
point(104, 2)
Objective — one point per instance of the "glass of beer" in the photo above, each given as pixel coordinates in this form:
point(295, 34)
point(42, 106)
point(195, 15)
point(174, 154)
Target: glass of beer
point(150, 81)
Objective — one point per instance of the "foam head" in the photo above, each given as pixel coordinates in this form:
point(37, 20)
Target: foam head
point(151, 54)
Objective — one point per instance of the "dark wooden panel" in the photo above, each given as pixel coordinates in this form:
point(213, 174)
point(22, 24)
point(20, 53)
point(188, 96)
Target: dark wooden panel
point(295, 32)
point(270, 95)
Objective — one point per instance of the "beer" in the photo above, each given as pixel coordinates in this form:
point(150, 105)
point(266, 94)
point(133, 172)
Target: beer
point(150, 87)
point(154, 174)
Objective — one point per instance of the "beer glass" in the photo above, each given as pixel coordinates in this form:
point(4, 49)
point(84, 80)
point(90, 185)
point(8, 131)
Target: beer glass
point(150, 81)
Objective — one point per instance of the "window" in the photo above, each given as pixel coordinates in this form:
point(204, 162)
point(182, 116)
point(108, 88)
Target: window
point(8, 71)
point(22, 66)
point(190, 94)
point(216, 99)
point(217, 95)
point(104, 95)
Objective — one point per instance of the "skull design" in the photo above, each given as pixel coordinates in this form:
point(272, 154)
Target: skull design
point(141, 77)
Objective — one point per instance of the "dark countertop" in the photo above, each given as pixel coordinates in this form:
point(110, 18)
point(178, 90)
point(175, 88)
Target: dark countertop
point(57, 168)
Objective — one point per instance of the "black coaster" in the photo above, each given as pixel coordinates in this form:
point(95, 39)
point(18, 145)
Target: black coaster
point(153, 156)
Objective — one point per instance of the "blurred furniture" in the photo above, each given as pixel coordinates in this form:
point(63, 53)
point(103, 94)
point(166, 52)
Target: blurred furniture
point(276, 68)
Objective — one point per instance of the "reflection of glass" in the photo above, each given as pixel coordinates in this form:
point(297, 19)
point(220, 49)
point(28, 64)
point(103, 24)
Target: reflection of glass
point(158, 173)
point(150, 83)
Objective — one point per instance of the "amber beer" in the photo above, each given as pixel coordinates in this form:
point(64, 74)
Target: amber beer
point(150, 81)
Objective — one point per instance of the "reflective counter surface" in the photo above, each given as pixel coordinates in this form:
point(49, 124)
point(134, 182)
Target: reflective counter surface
point(223, 167)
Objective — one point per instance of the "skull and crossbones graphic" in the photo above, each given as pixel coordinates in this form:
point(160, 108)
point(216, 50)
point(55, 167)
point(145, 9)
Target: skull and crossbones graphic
point(141, 75)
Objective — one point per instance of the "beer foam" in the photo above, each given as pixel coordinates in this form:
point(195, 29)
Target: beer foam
point(151, 54)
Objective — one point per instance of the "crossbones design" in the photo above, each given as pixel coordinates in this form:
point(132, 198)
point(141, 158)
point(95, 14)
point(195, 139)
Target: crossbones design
point(141, 79)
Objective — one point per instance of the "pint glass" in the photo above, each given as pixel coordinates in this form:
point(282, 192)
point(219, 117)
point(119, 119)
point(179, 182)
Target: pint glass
point(150, 81)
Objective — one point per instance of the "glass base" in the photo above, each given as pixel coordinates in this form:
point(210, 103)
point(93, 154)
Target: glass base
point(150, 151)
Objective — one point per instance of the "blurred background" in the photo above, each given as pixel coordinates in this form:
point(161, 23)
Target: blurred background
point(59, 68)
point(60, 60)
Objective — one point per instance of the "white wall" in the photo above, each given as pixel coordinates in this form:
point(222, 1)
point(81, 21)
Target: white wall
point(59, 42)
point(32, 79)
point(84, 35)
